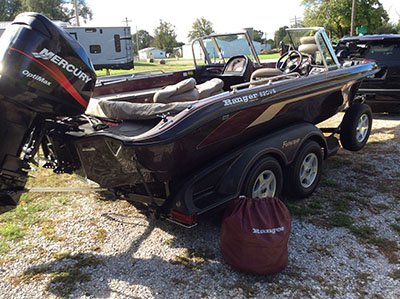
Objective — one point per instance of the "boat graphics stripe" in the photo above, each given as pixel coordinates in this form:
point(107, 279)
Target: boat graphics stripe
point(58, 76)
point(274, 109)
point(241, 121)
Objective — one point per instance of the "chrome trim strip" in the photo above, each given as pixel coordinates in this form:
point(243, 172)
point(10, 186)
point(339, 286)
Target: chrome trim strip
point(378, 90)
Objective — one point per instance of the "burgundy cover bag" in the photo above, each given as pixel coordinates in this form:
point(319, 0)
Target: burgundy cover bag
point(255, 234)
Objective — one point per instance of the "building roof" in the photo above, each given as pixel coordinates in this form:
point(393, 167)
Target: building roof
point(150, 49)
point(4, 24)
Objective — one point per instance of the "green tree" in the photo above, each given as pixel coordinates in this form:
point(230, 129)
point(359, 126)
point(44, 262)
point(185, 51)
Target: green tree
point(9, 9)
point(335, 15)
point(201, 27)
point(165, 37)
point(258, 36)
point(62, 10)
point(280, 35)
point(144, 40)
point(387, 27)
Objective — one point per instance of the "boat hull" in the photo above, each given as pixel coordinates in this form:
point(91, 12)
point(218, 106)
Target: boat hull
point(196, 137)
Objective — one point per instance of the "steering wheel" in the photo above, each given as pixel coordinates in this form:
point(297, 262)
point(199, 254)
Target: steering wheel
point(290, 61)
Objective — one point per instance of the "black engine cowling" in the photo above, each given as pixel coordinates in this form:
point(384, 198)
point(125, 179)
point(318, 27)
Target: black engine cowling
point(44, 73)
point(44, 68)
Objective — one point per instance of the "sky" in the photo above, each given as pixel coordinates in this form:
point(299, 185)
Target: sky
point(226, 15)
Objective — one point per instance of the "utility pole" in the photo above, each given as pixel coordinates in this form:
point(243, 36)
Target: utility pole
point(137, 42)
point(296, 21)
point(353, 16)
point(76, 12)
point(127, 21)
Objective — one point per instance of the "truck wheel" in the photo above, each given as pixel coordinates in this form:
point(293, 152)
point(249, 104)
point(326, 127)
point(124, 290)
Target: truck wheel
point(305, 172)
point(264, 179)
point(356, 127)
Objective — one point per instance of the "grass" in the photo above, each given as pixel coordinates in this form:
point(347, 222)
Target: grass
point(313, 208)
point(14, 224)
point(388, 248)
point(342, 204)
point(328, 182)
point(48, 230)
point(192, 259)
point(62, 280)
point(396, 227)
point(4, 247)
point(342, 220)
point(11, 232)
point(249, 290)
point(395, 274)
point(100, 235)
point(47, 178)
point(268, 56)
point(171, 65)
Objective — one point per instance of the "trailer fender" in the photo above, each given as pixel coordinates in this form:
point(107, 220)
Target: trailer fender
point(283, 145)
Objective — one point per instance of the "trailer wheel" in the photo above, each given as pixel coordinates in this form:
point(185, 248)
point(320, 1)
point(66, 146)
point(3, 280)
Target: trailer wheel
point(265, 179)
point(356, 127)
point(305, 172)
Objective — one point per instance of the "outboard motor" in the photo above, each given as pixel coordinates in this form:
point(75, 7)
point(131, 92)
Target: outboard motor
point(44, 74)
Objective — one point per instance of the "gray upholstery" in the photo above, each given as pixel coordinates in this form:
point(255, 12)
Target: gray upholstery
point(209, 88)
point(187, 90)
point(307, 40)
point(123, 110)
point(308, 45)
point(308, 49)
point(263, 74)
point(172, 98)
point(183, 91)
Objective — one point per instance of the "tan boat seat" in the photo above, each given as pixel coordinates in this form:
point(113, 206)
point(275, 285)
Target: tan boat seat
point(263, 73)
point(308, 45)
point(183, 91)
point(123, 110)
point(188, 91)
point(210, 88)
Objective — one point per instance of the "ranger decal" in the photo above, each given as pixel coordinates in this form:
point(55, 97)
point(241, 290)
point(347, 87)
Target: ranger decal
point(249, 97)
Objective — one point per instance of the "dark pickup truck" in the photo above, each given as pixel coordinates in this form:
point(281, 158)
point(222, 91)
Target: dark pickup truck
point(382, 92)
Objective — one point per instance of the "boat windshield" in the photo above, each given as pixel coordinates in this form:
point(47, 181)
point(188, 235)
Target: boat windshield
point(217, 49)
point(326, 53)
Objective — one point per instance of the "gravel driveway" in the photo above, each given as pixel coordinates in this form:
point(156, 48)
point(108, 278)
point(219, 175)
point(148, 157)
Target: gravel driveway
point(344, 243)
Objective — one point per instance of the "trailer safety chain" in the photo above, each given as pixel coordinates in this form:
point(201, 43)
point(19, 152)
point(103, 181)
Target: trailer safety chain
point(63, 189)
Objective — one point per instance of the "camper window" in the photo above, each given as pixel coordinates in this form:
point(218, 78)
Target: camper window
point(117, 42)
point(74, 35)
point(95, 49)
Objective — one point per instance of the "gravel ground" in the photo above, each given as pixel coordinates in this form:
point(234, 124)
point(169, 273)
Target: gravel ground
point(344, 243)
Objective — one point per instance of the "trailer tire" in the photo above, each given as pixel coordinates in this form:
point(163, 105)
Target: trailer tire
point(356, 127)
point(265, 179)
point(305, 172)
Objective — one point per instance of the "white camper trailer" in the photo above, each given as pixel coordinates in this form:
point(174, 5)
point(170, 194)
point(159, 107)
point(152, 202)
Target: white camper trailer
point(3, 26)
point(108, 47)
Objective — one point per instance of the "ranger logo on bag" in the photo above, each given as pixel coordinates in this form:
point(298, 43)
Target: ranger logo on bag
point(268, 230)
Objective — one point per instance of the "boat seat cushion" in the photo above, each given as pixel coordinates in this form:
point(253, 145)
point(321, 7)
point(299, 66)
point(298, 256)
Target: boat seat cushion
point(308, 45)
point(187, 91)
point(182, 91)
point(263, 73)
point(210, 88)
point(122, 110)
